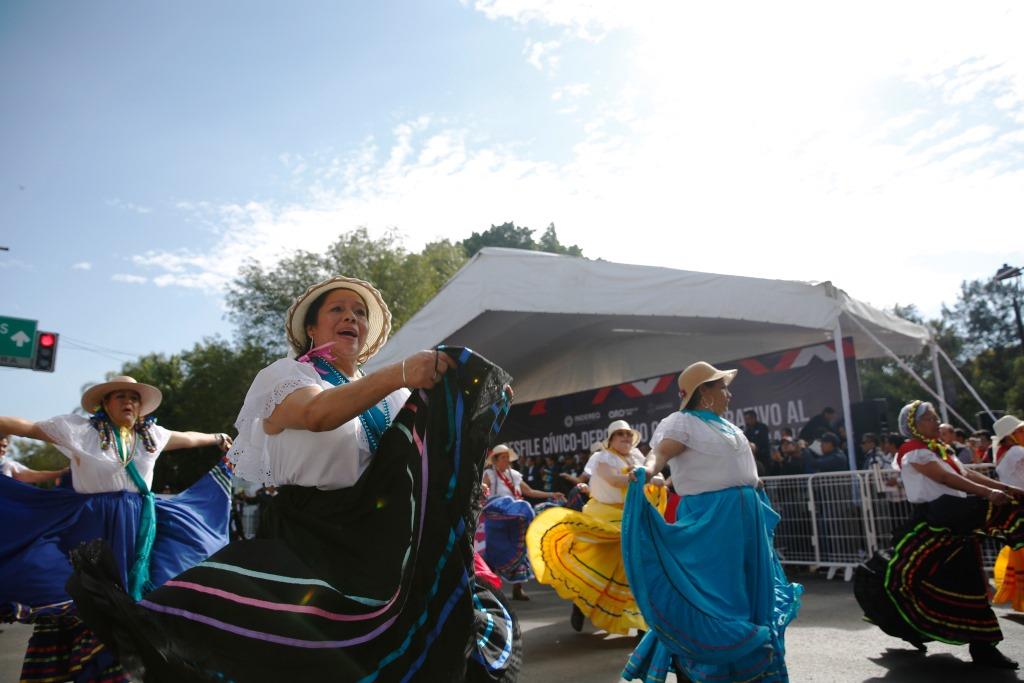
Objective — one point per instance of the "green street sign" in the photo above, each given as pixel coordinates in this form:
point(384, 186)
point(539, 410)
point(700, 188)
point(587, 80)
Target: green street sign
point(17, 341)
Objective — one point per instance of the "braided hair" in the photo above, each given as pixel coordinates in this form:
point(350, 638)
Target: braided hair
point(143, 427)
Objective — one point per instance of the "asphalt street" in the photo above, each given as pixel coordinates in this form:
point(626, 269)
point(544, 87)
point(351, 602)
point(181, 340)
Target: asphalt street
point(827, 643)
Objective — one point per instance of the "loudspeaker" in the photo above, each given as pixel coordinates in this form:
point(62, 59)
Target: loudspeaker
point(870, 416)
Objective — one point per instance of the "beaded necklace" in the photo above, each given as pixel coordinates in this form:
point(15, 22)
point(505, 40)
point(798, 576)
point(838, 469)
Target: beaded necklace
point(125, 445)
point(375, 420)
point(102, 423)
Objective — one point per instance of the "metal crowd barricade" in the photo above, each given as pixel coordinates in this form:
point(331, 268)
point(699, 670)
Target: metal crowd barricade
point(795, 535)
point(837, 520)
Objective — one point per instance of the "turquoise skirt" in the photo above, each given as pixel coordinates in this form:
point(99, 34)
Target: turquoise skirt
point(709, 586)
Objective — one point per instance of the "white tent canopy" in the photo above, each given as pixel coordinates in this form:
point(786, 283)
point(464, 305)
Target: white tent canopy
point(562, 324)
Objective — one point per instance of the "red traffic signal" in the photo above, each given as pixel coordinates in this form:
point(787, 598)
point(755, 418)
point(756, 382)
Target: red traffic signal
point(45, 357)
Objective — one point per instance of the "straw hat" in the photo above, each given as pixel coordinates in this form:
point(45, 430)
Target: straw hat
point(620, 426)
point(701, 373)
point(1005, 426)
point(378, 316)
point(502, 448)
point(92, 399)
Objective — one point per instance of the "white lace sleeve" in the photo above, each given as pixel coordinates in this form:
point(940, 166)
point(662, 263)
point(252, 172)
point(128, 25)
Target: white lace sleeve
point(270, 387)
point(160, 437)
point(69, 433)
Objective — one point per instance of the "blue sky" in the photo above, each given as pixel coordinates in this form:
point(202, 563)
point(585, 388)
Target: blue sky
point(150, 148)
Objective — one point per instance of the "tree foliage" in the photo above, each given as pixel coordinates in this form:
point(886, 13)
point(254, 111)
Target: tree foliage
point(259, 297)
point(978, 333)
point(512, 236)
point(203, 389)
point(983, 316)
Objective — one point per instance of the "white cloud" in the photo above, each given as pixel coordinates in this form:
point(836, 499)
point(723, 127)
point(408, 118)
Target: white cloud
point(542, 55)
point(775, 146)
point(586, 19)
point(570, 92)
point(130, 279)
point(128, 206)
point(82, 265)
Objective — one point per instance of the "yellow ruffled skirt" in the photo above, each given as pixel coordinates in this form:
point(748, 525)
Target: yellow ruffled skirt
point(579, 554)
point(1009, 575)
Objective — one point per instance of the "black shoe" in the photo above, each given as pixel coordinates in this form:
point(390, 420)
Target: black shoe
point(986, 654)
point(576, 619)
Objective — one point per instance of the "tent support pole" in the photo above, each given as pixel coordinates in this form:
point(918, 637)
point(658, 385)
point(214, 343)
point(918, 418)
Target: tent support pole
point(907, 369)
point(938, 381)
point(844, 389)
point(952, 366)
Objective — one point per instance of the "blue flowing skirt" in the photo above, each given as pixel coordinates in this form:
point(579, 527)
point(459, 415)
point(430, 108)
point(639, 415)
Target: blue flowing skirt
point(41, 526)
point(505, 522)
point(709, 586)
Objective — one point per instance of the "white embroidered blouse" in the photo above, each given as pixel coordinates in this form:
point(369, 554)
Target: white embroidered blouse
point(326, 460)
point(94, 470)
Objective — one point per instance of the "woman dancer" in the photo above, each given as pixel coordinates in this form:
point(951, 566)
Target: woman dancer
point(710, 585)
point(15, 470)
point(905, 591)
point(112, 455)
point(365, 572)
point(505, 518)
point(579, 553)
point(1009, 459)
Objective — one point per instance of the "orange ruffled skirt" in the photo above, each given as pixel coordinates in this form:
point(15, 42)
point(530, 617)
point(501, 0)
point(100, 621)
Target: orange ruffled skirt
point(1009, 575)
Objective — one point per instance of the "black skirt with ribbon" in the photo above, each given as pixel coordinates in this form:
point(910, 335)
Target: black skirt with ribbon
point(369, 583)
point(931, 584)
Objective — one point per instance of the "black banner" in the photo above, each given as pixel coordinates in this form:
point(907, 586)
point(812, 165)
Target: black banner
point(785, 388)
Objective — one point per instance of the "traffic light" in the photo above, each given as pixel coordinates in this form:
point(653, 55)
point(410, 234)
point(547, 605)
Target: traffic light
point(45, 358)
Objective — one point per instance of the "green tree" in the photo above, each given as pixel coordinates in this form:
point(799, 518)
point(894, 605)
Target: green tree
point(1015, 393)
point(259, 298)
point(549, 242)
point(884, 378)
point(512, 236)
point(504, 235)
point(978, 333)
point(203, 390)
point(983, 319)
point(983, 316)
